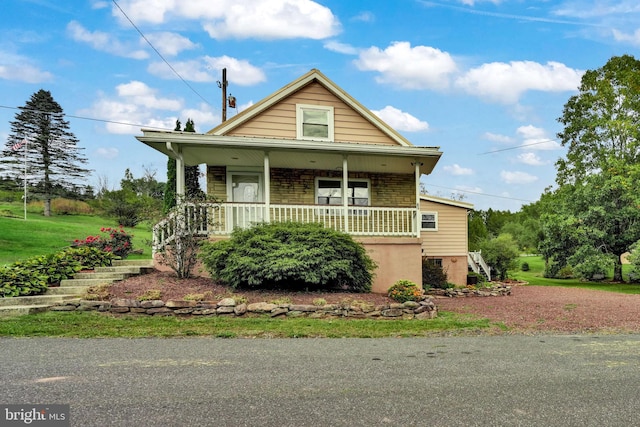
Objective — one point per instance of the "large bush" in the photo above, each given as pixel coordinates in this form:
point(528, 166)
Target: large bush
point(433, 275)
point(289, 255)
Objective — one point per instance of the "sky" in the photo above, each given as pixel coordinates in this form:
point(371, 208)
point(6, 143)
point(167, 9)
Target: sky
point(484, 80)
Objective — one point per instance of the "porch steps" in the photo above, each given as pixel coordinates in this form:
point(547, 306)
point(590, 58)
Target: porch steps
point(70, 289)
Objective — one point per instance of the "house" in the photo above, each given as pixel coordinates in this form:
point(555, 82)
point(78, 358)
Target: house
point(311, 152)
point(445, 238)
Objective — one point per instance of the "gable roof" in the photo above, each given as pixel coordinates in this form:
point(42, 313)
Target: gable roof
point(313, 75)
point(449, 202)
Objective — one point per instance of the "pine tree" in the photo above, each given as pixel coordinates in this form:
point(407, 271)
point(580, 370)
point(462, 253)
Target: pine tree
point(52, 154)
point(170, 187)
point(192, 173)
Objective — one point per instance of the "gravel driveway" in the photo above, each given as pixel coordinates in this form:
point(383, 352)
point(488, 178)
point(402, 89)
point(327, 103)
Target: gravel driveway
point(554, 309)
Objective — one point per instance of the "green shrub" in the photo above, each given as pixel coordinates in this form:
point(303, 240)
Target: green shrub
point(15, 281)
point(433, 275)
point(479, 279)
point(404, 290)
point(289, 255)
point(90, 257)
point(565, 272)
point(524, 266)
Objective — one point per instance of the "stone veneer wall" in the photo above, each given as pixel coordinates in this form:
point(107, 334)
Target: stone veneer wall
point(425, 309)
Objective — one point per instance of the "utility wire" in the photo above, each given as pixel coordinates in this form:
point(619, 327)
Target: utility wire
point(480, 194)
point(88, 118)
point(159, 54)
point(544, 141)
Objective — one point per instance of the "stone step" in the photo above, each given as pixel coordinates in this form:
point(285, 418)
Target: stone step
point(21, 310)
point(133, 269)
point(133, 262)
point(86, 282)
point(35, 300)
point(67, 290)
point(114, 276)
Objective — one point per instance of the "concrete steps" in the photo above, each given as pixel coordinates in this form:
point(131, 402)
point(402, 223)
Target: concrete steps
point(70, 289)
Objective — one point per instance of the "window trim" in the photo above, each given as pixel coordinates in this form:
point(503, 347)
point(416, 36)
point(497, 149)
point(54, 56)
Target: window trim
point(321, 178)
point(435, 220)
point(300, 108)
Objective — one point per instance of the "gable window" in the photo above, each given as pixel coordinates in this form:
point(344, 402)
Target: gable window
point(329, 192)
point(314, 122)
point(429, 221)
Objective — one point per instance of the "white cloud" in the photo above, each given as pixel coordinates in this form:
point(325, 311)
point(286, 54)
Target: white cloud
point(535, 138)
point(531, 159)
point(207, 69)
point(338, 47)
point(104, 42)
point(400, 120)
point(517, 177)
point(364, 17)
point(141, 94)
point(266, 19)
point(170, 44)
point(403, 66)
point(107, 152)
point(494, 137)
point(20, 68)
point(506, 82)
point(457, 170)
point(633, 38)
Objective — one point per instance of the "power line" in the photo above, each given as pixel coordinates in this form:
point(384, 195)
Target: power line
point(544, 141)
point(88, 118)
point(160, 55)
point(481, 194)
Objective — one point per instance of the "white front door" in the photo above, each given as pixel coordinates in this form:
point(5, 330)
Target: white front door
point(245, 187)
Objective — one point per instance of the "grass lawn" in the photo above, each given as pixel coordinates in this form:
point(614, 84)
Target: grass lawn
point(96, 325)
point(40, 235)
point(535, 276)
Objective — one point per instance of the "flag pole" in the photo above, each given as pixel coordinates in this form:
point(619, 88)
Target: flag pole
point(25, 179)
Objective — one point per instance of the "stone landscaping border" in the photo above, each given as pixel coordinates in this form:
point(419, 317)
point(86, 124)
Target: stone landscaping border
point(498, 290)
point(425, 309)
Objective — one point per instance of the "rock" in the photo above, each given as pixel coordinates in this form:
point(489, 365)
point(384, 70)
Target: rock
point(205, 312)
point(159, 310)
point(260, 307)
point(304, 307)
point(138, 310)
point(225, 310)
point(240, 309)
point(295, 313)
point(154, 303)
point(119, 309)
point(427, 315)
point(392, 312)
point(183, 311)
point(180, 303)
point(410, 304)
point(279, 311)
point(227, 302)
point(125, 302)
point(63, 308)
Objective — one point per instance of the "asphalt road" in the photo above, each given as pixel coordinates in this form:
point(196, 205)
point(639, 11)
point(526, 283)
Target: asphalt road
point(460, 381)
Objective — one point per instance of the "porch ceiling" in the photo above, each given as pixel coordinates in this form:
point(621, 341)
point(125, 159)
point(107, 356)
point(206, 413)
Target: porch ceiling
point(294, 154)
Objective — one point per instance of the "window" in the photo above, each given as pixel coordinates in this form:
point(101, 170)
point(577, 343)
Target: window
point(314, 122)
point(429, 221)
point(329, 192)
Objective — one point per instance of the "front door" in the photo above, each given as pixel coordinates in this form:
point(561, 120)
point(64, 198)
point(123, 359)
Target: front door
point(245, 192)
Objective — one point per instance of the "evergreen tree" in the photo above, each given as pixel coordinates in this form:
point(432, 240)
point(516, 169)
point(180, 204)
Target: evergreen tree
point(53, 159)
point(170, 187)
point(192, 173)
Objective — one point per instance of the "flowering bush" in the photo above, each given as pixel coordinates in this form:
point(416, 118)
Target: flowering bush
point(404, 290)
point(117, 241)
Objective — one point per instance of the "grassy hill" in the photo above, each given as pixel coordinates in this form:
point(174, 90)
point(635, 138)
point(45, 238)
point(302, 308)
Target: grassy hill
point(39, 235)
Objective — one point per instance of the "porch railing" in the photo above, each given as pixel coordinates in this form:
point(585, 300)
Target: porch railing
point(221, 219)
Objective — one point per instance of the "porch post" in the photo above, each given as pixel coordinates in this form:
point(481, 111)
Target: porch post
point(418, 220)
point(345, 192)
point(267, 188)
point(179, 168)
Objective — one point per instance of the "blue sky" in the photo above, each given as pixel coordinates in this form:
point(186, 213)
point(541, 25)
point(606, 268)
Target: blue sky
point(485, 80)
